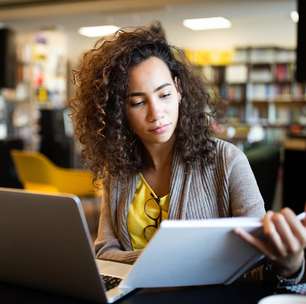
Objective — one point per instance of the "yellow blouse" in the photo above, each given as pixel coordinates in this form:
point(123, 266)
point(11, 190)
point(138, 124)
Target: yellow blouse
point(137, 219)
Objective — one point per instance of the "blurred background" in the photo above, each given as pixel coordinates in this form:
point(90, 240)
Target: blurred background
point(252, 57)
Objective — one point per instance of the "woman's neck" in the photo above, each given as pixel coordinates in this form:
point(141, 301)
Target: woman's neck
point(161, 155)
point(158, 174)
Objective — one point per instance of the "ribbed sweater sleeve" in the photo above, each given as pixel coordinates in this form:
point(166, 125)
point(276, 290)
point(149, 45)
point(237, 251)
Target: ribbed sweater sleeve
point(107, 245)
point(245, 197)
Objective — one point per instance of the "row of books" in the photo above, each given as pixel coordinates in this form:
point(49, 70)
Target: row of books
point(264, 54)
point(281, 72)
point(279, 116)
point(286, 91)
point(233, 93)
point(260, 92)
point(242, 73)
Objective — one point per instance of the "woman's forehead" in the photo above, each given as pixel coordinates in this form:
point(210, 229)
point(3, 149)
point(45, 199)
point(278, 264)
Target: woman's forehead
point(150, 72)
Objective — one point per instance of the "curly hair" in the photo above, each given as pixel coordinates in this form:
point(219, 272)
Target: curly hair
point(98, 107)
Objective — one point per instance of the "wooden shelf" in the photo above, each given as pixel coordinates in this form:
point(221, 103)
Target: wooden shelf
point(279, 103)
point(236, 103)
point(270, 82)
point(275, 126)
point(228, 83)
point(265, 63)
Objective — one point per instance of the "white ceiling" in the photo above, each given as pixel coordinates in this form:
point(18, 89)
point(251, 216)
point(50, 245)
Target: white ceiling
point(254, 22)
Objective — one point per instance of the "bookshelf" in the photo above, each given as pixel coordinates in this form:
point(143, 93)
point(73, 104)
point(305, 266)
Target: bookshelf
point(226, 86)
point(273, 98)
point(256, 86)
point(41, 83)
point(42, 68)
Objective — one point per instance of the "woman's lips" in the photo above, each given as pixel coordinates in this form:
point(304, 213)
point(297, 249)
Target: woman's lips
point(160, 129)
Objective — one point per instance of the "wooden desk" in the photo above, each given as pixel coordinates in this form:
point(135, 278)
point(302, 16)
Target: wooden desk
point(296, 144)
point(249, 293)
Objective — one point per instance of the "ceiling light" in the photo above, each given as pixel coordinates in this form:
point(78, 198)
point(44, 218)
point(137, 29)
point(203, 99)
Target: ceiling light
point(198, 24)
point(294, 16)
point(98, 31)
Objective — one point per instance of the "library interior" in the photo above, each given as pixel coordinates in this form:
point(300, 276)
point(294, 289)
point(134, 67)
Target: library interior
point(253, 65)
point(250, 69)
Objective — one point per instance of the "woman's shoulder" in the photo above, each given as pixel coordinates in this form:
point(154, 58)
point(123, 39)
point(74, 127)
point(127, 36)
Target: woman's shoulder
point(227, 151)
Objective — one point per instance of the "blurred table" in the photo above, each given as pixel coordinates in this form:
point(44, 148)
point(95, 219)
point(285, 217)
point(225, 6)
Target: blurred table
point(240, 293)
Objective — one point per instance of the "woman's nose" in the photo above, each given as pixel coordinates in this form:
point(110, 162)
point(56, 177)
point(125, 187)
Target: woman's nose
point(154, 111)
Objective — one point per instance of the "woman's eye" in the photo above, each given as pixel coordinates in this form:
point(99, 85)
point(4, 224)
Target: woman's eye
point(165, 95)
point(136, 103)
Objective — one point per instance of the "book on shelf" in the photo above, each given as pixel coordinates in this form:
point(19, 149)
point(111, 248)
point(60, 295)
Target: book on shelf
point(235, 93)
point(283, 116)
point(262, 74)
point(283, 92)
point(260, 91)
point(213, 74)
point(261, 55)
point(298, 91)
point(236, 73)
point(285, 55)
point(283, 72)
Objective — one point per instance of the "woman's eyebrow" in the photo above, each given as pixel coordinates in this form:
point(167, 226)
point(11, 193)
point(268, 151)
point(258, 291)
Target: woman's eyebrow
point(162, 86)
point(142, 94)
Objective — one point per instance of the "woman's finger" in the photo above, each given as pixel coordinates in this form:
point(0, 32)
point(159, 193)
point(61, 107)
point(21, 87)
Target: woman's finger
point(257, 243)
point(296, 226)
point(272, 234)
point(290, 242)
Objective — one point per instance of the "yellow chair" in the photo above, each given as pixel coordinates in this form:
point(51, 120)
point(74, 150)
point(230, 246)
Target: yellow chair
point(37, 173)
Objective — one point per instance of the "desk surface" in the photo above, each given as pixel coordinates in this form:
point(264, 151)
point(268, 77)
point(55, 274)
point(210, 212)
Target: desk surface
point(237, 293)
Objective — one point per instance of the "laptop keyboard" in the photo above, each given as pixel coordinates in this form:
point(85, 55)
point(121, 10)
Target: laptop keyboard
point(110, 282)
point(299, 288)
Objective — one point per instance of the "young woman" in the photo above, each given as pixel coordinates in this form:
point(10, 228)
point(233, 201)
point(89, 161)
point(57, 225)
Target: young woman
point(144, 119)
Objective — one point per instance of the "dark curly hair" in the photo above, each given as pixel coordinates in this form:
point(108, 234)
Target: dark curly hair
point(98, 108)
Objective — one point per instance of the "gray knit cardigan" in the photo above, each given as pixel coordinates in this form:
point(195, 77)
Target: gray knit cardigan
point(225, 188)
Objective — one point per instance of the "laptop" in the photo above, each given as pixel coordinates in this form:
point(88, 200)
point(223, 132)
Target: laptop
point(46, 244)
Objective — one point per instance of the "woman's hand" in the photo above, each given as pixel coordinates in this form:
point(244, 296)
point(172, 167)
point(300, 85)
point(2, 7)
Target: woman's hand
point(284, 240)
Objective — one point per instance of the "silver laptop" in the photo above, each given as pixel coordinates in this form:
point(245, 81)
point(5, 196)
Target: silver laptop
point(45, 244)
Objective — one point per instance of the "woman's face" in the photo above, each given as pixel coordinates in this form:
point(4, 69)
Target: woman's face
point(153, 102)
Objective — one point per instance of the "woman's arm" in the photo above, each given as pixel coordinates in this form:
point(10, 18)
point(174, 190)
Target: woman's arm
point(245, 197)
point(107, 245)
point(285, 235)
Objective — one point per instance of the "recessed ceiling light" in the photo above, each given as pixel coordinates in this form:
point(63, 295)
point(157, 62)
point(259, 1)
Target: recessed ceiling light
point(294, 16)
point(199, 24)
point(98, 31)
